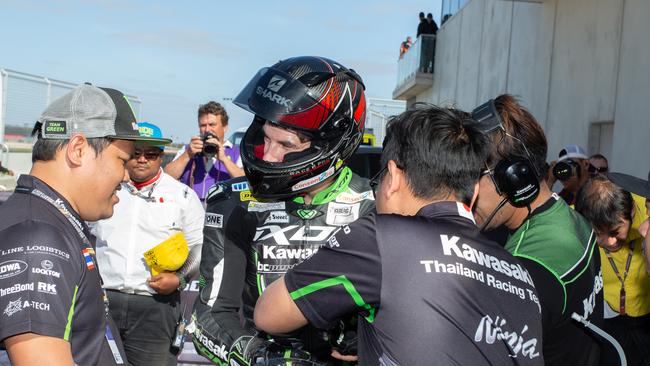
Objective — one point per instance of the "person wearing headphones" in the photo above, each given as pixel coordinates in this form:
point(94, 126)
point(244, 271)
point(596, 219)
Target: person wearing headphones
point(555, 243)
point(298, 191)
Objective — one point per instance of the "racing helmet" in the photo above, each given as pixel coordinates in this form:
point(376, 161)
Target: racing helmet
point(314, 96)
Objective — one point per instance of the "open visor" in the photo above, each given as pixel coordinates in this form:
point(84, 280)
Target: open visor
point(273, 95)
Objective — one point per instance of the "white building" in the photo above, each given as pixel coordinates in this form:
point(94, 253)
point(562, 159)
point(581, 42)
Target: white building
point(582, 67)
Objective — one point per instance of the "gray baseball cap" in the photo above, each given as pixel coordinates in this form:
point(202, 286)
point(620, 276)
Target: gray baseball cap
point(93, 112)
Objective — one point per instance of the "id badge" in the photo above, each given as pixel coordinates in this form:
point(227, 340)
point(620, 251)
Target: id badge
point(113, 345)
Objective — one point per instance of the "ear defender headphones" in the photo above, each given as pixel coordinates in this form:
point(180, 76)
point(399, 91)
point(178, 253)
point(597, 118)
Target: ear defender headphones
point(514, 177)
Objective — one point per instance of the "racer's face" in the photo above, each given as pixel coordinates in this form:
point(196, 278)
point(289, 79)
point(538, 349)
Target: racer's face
point(488, 200)
point(614, 239)
point(105, 172)
point(279, 141)
point(145, 163)
point(212, 124)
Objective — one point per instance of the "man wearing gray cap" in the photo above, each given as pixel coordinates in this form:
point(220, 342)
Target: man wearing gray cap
point(53, 308)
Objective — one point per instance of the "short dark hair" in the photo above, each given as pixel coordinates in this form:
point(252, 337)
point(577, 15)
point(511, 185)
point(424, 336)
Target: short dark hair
point(215, 108)
point(421, 14)
point(430, 16)
point(440, 150)
point(45, 150)
point(604, 204)
point(520, 123)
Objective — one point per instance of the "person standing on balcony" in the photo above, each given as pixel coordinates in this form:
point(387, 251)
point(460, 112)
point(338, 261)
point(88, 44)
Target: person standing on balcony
point(422, 25)
point(430, 25)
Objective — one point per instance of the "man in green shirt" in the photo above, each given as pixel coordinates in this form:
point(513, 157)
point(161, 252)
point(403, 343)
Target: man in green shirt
point(555, 243)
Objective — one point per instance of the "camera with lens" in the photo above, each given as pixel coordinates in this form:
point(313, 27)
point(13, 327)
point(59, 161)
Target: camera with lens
point(209, 149)
point(566, 169)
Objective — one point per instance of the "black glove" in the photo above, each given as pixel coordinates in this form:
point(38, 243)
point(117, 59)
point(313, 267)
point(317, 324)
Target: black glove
point(256, 351)
point(343, 336)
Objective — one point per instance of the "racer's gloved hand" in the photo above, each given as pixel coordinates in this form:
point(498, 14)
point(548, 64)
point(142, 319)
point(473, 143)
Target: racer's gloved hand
point(256, 351)
point(343, 336)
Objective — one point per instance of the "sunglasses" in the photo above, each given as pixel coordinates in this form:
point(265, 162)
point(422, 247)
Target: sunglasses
point(149, 155)
point(593, 170)
point(376, 179)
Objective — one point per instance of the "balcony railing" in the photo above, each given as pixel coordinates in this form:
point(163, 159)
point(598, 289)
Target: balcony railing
point(415, 68)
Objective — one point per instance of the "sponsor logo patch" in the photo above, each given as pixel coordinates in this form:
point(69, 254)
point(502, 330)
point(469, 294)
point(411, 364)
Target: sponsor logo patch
point(341, 213)
point(11, 251)
point(347, 197)
point(238, 187)
point(214, 220)
point(47, 288)
point(277, 217)
point(55, 128)
point(307, 214)
point(246, 196)
point(254, 206)
point(12, 268)
point(44, 249)
point(46, 269)
point(276, 83)
point(13, 307)
point(314, 180)
point(19, 287)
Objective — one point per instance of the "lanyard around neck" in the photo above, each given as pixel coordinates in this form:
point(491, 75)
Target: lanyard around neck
point(618, 275)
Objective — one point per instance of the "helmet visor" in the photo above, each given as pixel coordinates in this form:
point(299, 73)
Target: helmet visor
point(273, 94)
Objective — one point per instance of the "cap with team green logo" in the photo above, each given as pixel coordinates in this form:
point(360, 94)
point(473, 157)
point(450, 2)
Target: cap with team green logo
point(93, 112)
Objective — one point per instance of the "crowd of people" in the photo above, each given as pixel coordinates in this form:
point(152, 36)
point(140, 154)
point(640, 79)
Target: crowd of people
point(457, 252)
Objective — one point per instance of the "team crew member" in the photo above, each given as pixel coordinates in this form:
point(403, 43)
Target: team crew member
point(209, 158)
point(53, 308)
point(554, 242)
point(153, 207)
point(616, 218)
point(428, 287)
point(309, 116)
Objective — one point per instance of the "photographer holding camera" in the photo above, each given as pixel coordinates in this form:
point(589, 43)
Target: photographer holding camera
point(209, 158)
point(571, 169)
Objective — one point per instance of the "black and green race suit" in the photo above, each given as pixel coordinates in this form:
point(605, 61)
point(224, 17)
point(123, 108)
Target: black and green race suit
point(249, 243)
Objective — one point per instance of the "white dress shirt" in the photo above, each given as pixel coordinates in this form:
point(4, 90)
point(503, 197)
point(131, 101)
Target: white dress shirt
point(141, 220)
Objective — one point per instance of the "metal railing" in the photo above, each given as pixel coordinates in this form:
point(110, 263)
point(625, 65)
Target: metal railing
point(24, 96)
point(418, 59)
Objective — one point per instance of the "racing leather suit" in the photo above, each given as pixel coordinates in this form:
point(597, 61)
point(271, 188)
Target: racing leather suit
point(248, 244)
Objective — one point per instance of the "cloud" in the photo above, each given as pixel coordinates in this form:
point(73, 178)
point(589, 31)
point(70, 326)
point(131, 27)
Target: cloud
point(185, 40)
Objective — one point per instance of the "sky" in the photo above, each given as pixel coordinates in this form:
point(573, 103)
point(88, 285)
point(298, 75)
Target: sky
point(175, 55)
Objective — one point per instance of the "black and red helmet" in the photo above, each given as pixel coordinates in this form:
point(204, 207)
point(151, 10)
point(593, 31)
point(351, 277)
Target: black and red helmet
point(315, 96)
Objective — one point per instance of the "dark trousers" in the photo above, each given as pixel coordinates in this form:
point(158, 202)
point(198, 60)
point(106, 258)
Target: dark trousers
point(633, 333)
point(147, 325)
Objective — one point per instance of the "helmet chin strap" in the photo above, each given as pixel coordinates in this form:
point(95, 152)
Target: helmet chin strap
point(494, 212)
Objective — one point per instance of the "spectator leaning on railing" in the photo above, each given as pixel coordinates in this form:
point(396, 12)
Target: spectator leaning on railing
point(615, 217)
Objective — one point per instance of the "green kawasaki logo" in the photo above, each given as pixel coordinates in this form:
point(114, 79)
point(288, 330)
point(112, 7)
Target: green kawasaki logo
point(55, 127)
point(307, 214)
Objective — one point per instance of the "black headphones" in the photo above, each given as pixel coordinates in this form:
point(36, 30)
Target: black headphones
point(514, 177)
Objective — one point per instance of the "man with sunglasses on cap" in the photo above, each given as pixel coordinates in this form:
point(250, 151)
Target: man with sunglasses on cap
point(153, 207)
point(54, 311)
point(555, 243)
point(309, 117)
